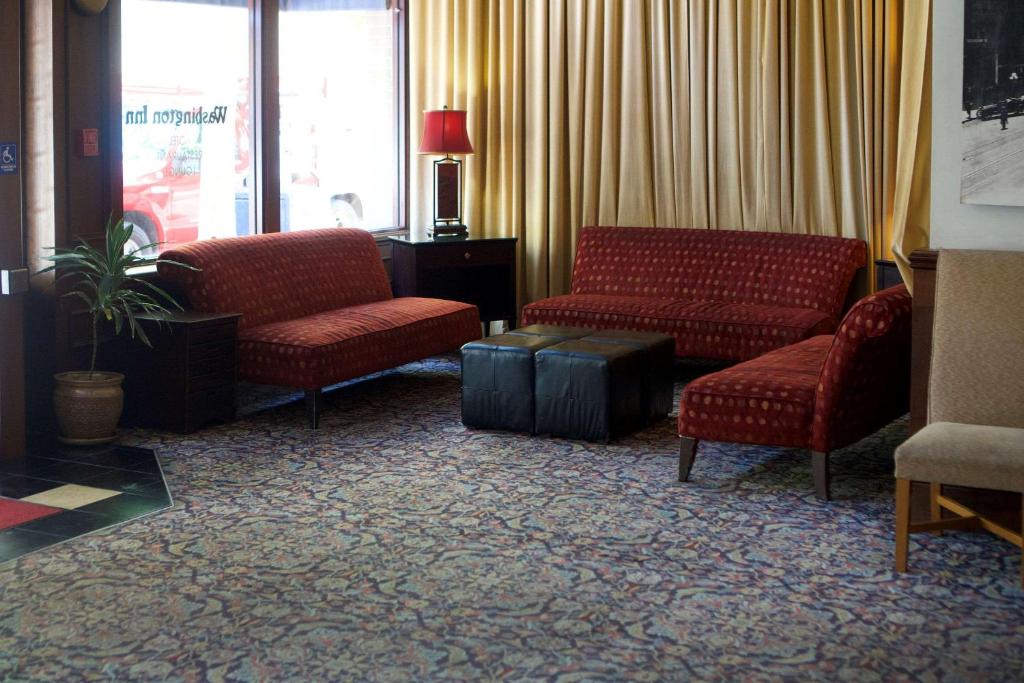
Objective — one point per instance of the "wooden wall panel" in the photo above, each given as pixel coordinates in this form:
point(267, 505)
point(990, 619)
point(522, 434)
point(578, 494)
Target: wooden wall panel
point(77, 69)
point(92, 92)
point(12, 364)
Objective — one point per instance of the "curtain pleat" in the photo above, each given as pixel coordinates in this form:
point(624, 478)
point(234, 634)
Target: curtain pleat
point(912, 166)
point(789, 115)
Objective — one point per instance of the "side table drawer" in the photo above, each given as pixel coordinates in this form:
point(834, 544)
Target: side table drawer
point(464, 255)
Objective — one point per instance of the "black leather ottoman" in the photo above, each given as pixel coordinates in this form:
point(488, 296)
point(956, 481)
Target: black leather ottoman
point(498, 381)
point(590, 390)
point(659, 352)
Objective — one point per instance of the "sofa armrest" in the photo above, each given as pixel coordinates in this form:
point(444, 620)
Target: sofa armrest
point(865, 380)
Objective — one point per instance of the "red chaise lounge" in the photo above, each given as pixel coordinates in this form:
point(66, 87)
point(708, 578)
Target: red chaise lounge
point(316, 308)
point(723, 294)
point(821, 394)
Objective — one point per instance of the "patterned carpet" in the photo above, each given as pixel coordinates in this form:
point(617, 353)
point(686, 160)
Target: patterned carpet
point(395, 545)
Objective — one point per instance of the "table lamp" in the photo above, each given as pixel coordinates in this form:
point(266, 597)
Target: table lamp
point(444, 132)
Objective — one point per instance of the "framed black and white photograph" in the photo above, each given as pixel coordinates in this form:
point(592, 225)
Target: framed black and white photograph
point(992, 130)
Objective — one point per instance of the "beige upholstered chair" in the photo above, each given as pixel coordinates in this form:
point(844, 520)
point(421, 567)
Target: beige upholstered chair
point(975, 431)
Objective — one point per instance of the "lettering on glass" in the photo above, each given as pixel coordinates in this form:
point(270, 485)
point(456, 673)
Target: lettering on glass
point(176, 117)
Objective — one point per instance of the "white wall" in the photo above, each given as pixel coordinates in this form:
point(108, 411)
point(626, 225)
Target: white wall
point(956, 225)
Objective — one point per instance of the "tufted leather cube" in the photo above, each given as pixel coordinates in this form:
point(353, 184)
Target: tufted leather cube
point(658, 352)
point(589, 390)
point(498, 381)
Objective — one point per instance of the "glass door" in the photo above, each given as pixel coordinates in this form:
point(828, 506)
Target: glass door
point(185, 119)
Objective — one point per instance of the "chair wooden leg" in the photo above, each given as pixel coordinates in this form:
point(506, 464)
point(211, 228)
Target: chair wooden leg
point(934, 491)
point(822, 476)
point(687, 453)
point(313, 400)
point(902, 523)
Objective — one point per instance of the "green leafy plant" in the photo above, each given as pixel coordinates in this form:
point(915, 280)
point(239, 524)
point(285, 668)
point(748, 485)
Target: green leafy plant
point(101, 279)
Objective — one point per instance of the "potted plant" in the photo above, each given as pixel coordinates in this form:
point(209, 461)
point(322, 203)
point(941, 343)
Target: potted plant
point(88, 403)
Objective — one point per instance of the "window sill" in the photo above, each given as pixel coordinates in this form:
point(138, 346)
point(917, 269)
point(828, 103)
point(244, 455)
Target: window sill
point(382, 234)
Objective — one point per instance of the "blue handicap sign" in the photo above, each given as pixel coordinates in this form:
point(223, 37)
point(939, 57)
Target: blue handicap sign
point(8, 158)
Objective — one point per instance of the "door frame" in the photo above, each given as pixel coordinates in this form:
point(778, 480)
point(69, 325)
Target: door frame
point(12, 243)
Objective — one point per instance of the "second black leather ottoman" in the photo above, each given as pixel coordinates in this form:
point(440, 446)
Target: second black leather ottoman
point(498, 381)
point(660, 352)
point(589, 390)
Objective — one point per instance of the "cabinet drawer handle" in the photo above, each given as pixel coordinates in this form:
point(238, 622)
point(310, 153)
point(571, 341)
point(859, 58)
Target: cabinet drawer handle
point(466, 256)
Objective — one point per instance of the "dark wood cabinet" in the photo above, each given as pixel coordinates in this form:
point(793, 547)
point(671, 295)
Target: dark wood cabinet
point(475, 271)
point(187, 380)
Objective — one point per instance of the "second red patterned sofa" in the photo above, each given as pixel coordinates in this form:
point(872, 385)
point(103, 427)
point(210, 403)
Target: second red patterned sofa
point(723, 294)
point(316, 308)
point(822, 394)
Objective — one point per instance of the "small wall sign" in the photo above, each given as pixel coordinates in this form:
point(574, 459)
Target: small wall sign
point(88, 142)
point(8, 158)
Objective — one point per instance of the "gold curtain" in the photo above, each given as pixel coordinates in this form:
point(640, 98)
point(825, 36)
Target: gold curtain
point(791, 115)
point(912, 192)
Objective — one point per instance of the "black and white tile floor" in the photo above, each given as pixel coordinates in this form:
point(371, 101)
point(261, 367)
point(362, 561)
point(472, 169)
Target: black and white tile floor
point(87, 489)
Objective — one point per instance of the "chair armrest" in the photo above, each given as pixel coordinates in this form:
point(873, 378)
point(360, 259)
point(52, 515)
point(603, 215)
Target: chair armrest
point(865, 380)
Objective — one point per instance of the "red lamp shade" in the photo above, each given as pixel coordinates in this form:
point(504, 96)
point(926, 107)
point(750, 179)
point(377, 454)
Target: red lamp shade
point(444, 132)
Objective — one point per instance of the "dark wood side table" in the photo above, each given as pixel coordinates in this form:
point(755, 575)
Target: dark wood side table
point(187, 380)
point(474, 271)
point(887, 274)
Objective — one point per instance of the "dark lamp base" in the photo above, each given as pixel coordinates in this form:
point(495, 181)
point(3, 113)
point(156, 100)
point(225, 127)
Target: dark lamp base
point(451, 232)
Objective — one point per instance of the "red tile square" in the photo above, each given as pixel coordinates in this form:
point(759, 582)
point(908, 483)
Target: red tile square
point(15, 512)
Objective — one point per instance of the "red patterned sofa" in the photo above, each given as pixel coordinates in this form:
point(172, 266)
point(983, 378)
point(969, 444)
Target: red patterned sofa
point(723, 294)
point(316, 308)
point(821, 394)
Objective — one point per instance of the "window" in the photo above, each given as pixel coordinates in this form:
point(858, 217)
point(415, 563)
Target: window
point(185, 120)
point(337, 100)
point(190, 158)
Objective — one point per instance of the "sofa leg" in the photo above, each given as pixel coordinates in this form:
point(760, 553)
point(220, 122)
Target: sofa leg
point(313, 399)
point(687, 453)
point(822, 476)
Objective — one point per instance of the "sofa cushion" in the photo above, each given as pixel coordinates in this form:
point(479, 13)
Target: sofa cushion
point(768, 400)
point(280, 276)
point(731, 266)
point(318, 350)
point(703, 329)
